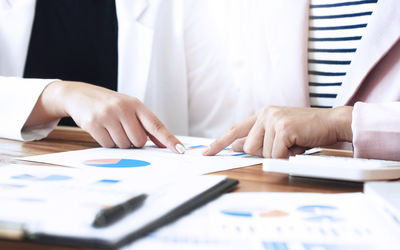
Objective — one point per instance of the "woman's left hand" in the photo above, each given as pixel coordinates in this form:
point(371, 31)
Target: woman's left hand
point(279, 132)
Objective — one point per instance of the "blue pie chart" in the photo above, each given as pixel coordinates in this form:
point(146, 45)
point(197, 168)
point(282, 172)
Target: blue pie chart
point(116, 163)
point(316, 208)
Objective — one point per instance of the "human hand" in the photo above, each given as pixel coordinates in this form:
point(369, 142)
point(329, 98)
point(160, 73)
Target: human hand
point(278, 132)
point(113, 119)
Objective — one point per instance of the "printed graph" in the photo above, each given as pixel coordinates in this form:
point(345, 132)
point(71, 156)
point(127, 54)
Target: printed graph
point(7, 186)
point(53, 177)
point(310, 246)
point(224, 152)
point(108, 181)
point(116, 163)
point(316, 208)
point(262, 214)
point(320, 213)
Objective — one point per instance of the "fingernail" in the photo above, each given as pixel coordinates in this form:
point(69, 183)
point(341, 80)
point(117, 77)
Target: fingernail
point(180, 148)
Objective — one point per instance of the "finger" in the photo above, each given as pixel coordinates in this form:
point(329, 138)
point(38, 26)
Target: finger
point(157, 142)
point(101, 135)
point(280, 147)
point(238, 144)
point(237, 131)
point(157, 129)
point(269, 139)
point(118, 135)
point(134, 130)
point(255, 139)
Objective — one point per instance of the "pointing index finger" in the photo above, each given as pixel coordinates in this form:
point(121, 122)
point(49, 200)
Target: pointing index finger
point(238, 131)
point(158, 133)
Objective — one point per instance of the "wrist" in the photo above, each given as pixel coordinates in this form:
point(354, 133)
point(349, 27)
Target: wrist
point(49, 106)
point(53, 98)
point(342, 118)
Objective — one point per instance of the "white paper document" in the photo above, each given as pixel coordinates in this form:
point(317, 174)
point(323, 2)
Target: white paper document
point(34, 194)
point(151, 159)
point(62, 202)
point(275, 221)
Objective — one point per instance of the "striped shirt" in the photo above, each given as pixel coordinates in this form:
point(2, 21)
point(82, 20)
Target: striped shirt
point(335, 30)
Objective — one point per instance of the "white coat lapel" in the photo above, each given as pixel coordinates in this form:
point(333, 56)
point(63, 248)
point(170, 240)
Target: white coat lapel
point(135, 40)
point(382, 32)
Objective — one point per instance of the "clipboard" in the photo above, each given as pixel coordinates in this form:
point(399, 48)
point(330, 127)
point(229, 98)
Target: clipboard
point(207, 188)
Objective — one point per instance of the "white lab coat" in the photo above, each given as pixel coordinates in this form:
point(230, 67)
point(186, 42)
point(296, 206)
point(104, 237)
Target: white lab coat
point(190, 94)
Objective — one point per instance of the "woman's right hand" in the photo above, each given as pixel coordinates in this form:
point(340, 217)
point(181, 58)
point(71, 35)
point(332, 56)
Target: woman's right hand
point(112, 118)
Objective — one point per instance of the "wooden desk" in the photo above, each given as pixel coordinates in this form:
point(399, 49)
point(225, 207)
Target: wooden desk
point(252, 179)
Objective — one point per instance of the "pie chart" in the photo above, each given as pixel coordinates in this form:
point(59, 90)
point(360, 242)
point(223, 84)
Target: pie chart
point(316, 208)
point(264, 214)
point(116, 163)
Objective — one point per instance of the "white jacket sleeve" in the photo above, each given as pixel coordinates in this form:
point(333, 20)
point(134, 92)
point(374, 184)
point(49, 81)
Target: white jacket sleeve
point(18, 97)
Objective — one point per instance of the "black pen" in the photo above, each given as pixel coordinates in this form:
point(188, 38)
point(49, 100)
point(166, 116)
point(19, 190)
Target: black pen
point(108, 216)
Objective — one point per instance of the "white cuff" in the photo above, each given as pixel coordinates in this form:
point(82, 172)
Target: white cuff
point(18, 97)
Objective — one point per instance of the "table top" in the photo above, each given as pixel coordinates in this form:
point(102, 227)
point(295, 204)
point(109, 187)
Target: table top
point(252, 178)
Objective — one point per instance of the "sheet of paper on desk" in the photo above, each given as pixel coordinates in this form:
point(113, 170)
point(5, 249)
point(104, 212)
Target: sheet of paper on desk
point(275, 221)
point(151, 159)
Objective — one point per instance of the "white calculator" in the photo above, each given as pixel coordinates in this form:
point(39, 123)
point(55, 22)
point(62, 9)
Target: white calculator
point(334, 167)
